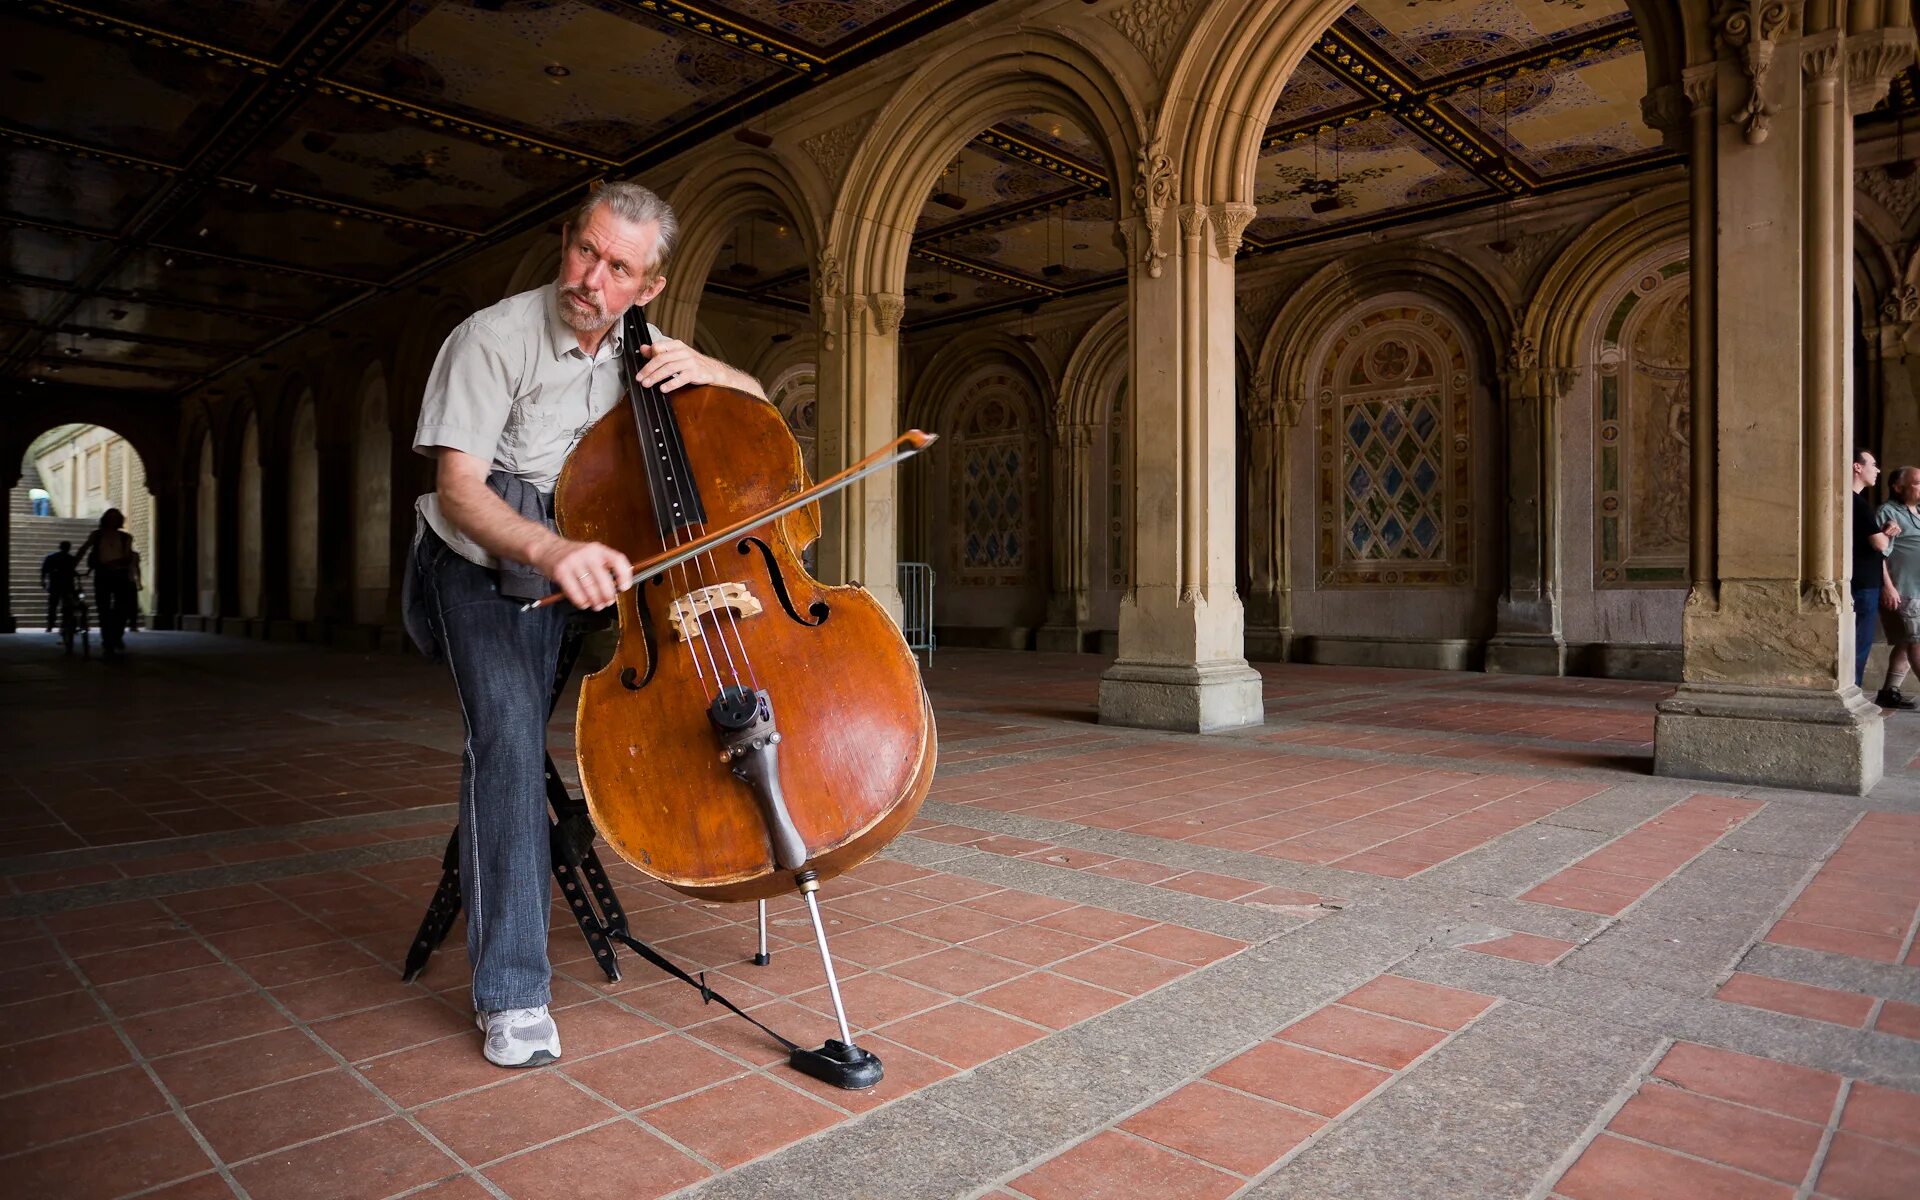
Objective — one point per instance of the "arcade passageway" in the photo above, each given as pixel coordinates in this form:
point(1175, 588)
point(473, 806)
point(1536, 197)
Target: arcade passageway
point(1419, 934)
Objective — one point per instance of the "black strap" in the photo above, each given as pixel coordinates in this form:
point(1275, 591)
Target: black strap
point(707, 994)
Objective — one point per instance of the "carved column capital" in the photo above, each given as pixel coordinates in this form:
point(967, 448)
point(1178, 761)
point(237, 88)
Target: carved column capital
point(1154, 190)
point(1193, 221)
point(1262, 411)
point(1526, 380)
point(1701, 84)
point(1820, 57)
point(1873, 59)
point(856, 306)
point(827, 288)
point(1752, 29)
point(1666, 108)
point(887, 309)
point(1230, 221)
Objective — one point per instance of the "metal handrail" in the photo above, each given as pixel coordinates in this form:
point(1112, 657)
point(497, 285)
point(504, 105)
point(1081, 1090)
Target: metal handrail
point(916, 602)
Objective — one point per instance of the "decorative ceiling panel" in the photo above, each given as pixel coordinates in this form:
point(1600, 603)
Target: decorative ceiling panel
point(602, 78)
point(197, 279)
point(1434, 39)
point(50, 254)
point(137, 353)
point(1567, 120)
point(109, 314)
point(78, 372)
point(1311, 91)
point(48, 184)
point(255, 27)
point(278, 232)
point(1359, 172)
point(359, 155)
point(120, 94)
point(24, 302)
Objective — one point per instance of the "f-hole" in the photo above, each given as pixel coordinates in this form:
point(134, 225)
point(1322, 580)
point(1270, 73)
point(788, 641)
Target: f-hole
point(629, 678)
point(818, 610)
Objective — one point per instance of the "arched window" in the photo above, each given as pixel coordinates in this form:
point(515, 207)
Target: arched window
point(1642, 429)
point(1394, 444)
point(995, 484)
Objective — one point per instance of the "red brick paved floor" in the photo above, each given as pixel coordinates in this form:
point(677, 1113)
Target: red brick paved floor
point(199, 934)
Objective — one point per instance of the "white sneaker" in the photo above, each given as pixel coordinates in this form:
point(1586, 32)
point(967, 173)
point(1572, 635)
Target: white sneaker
point(520, 1037)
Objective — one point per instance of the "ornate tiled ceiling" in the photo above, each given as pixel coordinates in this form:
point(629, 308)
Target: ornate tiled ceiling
point(186, 182)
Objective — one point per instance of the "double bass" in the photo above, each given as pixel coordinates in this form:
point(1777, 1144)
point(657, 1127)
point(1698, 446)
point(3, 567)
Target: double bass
point(756, 731)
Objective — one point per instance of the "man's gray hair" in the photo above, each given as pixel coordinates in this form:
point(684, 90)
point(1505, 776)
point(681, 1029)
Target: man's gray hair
point(631, 202)
point(1900, 477)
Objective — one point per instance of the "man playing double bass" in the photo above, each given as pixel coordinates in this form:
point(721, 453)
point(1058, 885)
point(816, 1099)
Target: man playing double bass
point(513, 390)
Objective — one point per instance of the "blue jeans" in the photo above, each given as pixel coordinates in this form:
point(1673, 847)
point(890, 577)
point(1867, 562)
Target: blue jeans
point(503, 662)
point(1866, 618)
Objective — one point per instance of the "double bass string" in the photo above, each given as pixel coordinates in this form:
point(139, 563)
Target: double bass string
point(657, 479)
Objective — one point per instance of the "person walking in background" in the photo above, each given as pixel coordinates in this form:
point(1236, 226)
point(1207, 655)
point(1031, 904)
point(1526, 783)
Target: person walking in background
point(109, 554)
point(1870, 541)
point(1900, 584)
point(56, 576)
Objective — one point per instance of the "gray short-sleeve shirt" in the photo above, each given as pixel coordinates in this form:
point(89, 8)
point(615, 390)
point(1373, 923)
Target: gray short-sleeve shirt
point(513, 387)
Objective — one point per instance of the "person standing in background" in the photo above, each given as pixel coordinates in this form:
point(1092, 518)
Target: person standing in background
point(1870, 542)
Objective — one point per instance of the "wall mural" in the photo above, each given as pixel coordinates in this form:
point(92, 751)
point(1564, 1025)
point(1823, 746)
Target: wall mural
point(1642, 451)
point(1394, 444)
point(995, 480)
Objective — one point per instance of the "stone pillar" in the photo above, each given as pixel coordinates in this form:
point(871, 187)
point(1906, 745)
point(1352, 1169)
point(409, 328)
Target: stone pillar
point(1768, 693)
point(859, 387)
point(1182, 661)
point(1527, 639)
point(1069, 606)
point(11, 475)
point(1271, 420)
point(1900, 411)
point(163, 568)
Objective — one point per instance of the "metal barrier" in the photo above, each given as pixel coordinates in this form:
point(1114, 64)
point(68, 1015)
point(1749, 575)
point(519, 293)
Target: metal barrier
point(916, 602)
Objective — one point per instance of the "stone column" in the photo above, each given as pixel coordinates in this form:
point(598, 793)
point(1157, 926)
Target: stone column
point(1271, 420)
point(163, 569)
point(1182, 661)
point(1768, 694)
point(1069, 610)
point(11, 476)
point(859, 389)
point(1900, 424)
point(1527, 639)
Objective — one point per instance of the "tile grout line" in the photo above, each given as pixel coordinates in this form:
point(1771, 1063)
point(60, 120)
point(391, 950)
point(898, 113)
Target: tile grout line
point(1598, 1125)
point(1656, 885)
point(141, 1060)
point(1818, 1166)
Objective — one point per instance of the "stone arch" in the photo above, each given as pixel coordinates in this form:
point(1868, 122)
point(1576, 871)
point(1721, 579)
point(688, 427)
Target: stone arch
point(1097, 360)
point(935, 113)
point(1394, 480)
point(794, 391)
point(1239, 57)
point(710, 202)
point(1290, 340)
point(1573, 286)
point(372, 497)
point(303, 507)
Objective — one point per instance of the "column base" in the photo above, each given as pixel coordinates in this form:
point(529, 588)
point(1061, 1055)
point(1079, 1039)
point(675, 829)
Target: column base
point(1267, 643)
point(1526, 654)
point(1818, 741)
point(1189, 699)
point(1059, 639)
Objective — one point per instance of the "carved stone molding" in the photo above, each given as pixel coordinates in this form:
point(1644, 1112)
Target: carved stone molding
point(1525, 250)
point(1262, 412)
point(1152, 26)
point(856, 312)
point(1193, 220)
point(1666, 108)
point(887, 307)
point(1900, 197)
point(1752, 30)
point(1701, 84)
point(827, 287)
point(1527, 380)
point(1820, 57)
point(1155, 191)
point(1873, 59)
point(1901, 306)
point(1262, 304)
point(1230, 221)
point(832, 150)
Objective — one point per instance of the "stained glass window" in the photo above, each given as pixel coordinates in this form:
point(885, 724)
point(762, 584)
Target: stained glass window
point(1393, 440)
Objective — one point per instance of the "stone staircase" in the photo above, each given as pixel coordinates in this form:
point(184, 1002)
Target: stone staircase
point(33, 539)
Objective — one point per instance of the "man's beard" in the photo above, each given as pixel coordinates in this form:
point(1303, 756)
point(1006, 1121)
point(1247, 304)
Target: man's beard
point(575, 319)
